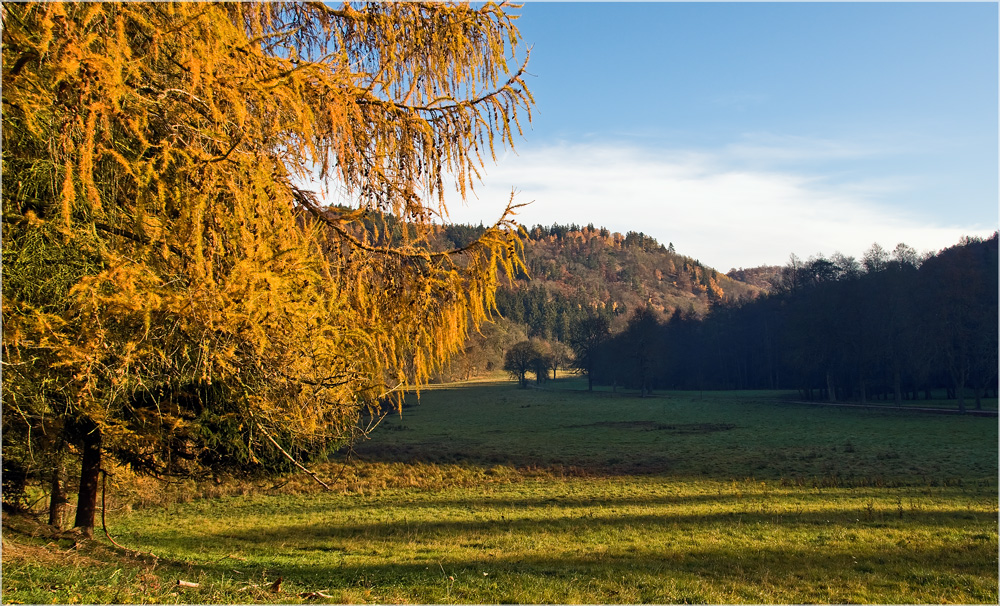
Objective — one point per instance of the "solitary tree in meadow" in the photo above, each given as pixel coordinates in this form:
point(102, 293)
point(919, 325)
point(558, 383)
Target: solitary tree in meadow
point(168, 274)
point(520, 359)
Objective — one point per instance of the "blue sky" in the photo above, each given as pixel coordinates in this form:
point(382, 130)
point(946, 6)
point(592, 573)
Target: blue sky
point(745, 132)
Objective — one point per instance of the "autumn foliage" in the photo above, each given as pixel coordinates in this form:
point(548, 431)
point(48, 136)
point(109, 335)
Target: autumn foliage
point(173, 292)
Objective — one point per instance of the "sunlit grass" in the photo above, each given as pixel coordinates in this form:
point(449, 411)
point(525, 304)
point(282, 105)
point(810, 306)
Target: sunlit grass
point(593, 540)
point(488, 494)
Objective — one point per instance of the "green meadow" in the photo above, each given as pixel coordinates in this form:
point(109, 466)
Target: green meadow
point(484, 493)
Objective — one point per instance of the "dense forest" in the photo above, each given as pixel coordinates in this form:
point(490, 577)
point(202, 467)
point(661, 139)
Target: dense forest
point(892, 326)
point(634, 313)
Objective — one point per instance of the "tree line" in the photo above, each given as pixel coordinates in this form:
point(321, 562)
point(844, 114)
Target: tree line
point(892, 325)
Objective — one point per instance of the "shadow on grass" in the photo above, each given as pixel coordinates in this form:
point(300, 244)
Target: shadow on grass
point(539, 516)
point(413, 547)
point(796, 465)
point(496, 521)
point(804, 573)
point(747, 505)
point(478, 455)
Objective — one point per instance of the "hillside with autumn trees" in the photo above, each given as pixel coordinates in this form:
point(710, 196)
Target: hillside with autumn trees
point(599, 267)
point(569, 266)
point(574, 271)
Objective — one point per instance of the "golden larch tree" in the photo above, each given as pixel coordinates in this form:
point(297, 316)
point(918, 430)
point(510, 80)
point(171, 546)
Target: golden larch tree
point(168, 278)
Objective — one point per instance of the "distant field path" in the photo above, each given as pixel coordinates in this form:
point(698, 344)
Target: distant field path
point(918, 409)
point(940, 411)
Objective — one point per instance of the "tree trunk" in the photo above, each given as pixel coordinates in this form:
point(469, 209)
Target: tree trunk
point(86, 506)
point(897, 387)
point(958, 376)
point(58, 500)
point(831, 389)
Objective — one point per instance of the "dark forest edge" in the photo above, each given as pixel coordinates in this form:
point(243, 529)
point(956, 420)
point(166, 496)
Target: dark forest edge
point(891, 327)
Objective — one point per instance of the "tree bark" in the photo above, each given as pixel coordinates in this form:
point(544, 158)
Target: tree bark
point(90, 471)
point(897, 387)
point(958, 376)
point(58, 500)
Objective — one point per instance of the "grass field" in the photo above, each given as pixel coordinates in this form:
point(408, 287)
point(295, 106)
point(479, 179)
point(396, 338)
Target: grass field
point(483, 493)
point(721, 435)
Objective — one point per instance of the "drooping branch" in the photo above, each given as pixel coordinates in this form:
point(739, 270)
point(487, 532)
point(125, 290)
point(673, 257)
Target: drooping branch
point(307, 200)
point(455, 105)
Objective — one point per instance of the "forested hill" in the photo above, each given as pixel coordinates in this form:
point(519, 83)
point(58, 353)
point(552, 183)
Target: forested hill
point(573, 268)
point(772, 316)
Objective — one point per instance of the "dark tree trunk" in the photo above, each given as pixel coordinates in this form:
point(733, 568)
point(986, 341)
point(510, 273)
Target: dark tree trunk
point(958, 376)
point(86, 506)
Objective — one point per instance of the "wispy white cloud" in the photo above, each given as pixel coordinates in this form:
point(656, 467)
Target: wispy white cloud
point(764, 148)
point(711, 205)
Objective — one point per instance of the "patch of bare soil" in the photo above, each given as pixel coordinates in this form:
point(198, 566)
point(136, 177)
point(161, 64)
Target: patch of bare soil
point(27, 539)
point(677, 428)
